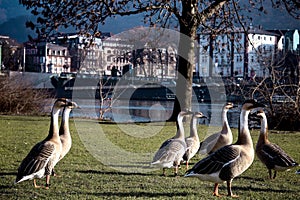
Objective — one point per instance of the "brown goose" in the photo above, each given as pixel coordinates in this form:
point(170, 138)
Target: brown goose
point(64, 131)
point(192, 142)
point(220, 139)
point(229, 161)
point(172, 150)
point(44, 155)
point(271, 154)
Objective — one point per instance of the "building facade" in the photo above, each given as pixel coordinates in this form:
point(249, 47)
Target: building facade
point(46, 57)
point(236, 53)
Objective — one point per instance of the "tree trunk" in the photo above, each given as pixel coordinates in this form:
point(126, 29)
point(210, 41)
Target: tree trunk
point(186, 63)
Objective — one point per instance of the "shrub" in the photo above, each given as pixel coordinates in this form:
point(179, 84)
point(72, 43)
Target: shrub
point(19, 97)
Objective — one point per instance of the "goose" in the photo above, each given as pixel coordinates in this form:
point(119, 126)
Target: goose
point(270, 154)
point(64, 131)
point(219, 139)
point(172, 150)
point(231, 160)
point(192, 141)
point(41, 159)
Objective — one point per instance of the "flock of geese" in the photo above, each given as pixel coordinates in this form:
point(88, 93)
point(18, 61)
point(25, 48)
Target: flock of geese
point(224, 161)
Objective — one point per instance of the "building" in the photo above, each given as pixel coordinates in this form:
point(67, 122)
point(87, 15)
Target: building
point(86, 53)
point(116, 55)
point(11, 54)
point(288, 41)
point(236, 53)
point(46, 57)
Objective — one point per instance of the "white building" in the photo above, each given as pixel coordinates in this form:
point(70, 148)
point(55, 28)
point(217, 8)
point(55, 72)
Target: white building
point(237, 53)
point(86, 53)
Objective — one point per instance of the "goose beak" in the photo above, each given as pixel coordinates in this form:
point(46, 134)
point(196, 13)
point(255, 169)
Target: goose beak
point(75, 105)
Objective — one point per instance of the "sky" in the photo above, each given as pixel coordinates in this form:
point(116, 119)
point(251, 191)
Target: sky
point(10, 9)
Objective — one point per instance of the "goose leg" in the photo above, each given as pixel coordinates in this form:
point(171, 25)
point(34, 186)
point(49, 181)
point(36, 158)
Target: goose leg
point(275, 173)
point(164, 172)
point(47, 186)
point(176, 171)
point(35, 185)
point(187, 165)
point(229, 190)
point(216, 190)
point(53, 173)
point(270, 173)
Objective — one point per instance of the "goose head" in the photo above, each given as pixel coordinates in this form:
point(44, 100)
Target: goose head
point(260, 113)
point(199, 115)
point(251, 104)
point(63, 102)
point(184, 113)
point(229, 105)
point(71, 104)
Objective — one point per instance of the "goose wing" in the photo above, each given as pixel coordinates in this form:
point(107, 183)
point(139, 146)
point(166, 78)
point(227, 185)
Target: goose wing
point(165, 143)
point(273, 155)
point(36, 159)
point(192, 146)
point(216, 161)
point(169, 152)
point(208, 144)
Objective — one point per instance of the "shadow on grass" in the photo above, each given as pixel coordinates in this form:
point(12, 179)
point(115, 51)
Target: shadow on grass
point(112, 173)
point(140, 194)
point(8, 173)
point(250, 178)
point(259, 189)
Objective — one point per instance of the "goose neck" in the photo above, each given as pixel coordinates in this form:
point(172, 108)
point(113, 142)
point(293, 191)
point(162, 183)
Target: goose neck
point(225, 127)
point(180, 129)
point(64, 127)
point(54, 130)
point(244, 136)
point(263, 136)
point(193, 127)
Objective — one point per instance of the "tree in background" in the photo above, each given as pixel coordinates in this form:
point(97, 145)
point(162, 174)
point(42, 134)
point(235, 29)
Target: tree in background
point(281, 91)
point(186, 16)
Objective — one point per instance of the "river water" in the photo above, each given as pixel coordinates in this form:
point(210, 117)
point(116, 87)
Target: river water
point(151, 111)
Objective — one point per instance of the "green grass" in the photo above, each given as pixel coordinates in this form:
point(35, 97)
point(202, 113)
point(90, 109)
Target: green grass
point(85, 177)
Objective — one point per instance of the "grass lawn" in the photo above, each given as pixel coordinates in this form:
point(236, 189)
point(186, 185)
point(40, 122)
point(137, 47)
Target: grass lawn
point(83, 176)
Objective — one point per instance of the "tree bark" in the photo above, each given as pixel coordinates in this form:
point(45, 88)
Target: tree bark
point(186, 60)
